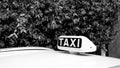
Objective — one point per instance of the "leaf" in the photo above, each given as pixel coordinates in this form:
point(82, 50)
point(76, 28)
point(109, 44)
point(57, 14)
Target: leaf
point(83, 12)
point(2, 44)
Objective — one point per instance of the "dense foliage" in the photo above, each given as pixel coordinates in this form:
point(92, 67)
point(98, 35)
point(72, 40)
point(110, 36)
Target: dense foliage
point(40, 22)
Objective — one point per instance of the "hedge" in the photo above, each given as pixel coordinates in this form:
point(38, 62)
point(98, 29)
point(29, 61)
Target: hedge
point(40, 22)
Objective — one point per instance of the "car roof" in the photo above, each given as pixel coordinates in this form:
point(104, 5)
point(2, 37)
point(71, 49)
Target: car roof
point(40, 57)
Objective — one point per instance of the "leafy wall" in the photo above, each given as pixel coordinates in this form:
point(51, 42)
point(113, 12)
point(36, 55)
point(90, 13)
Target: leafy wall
point(40, 22)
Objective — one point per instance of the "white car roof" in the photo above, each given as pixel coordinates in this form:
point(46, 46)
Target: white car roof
point(39, 57)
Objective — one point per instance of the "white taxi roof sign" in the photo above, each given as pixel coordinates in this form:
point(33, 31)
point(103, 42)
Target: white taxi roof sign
point(76, 44)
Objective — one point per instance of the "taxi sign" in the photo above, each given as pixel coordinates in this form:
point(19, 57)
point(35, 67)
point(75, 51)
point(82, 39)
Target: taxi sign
point(76, 44)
